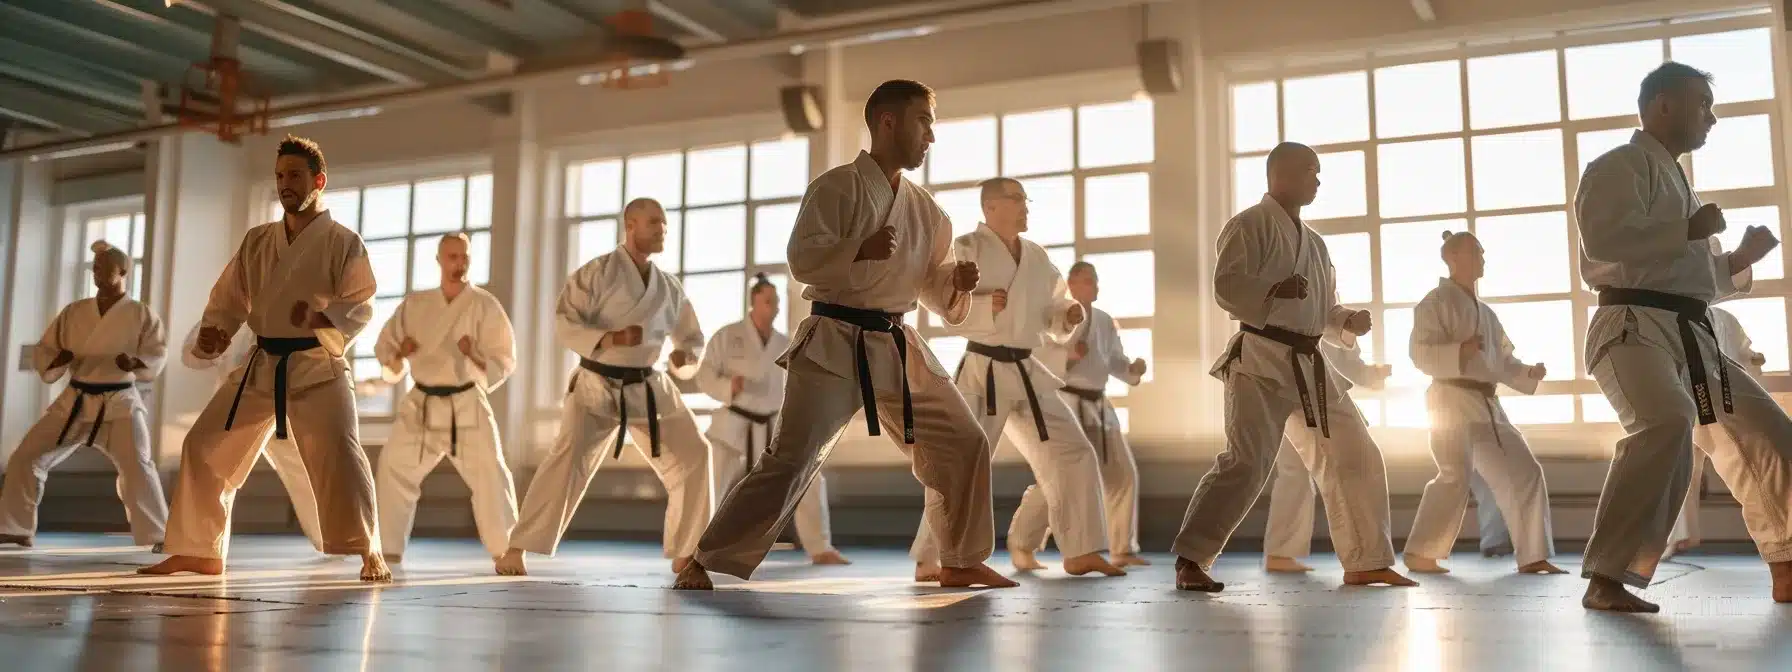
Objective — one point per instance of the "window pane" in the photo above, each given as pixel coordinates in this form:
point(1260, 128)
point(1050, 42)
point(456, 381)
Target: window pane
point(136, 285)
point(1327, 109)
point(1137, 343)
point(1526, 254)
point(1254, 117)
point(963, 150)
point(1371, 410)
point(782, 282)
point(1395, 326)
point(1137, 272)
point(1036, 142)
point(657, 176)
point(1773, 266)
point(382, 313)
point(1051, 217)
point(1541, 331)
point(1596, 408)
point(479, 201)
point(425, 272)
point(781, 168)
point(372, 394)
point(723, 235)
point(344, 206)
point(1410, 259)
point(719, 298)
point(1344, 193)
point(385, 211)
point(1740, 61)
point(717, 175)
point(1421, 178)
point(1350, 262)
point(1603, 78)
point(388, 260)
point(1548, 409)
point(1418, 99)
point(591, 240)
point(1250, 181)
point(439, 205)
point(964, 206)
point(772, 225)
point(1518, 169)
point(1407, 411)
point(1062, 257)
point(1513, 90)
point(599, 187)
point(1115, 134)
point(1738, 154)
point(948, 349)
point(139, 232)
point(1764, 320)
point(671, 259)
point(118, 233)
point(480, 246)
point(331, 203)
point(1594, 144)
point(1117, 205)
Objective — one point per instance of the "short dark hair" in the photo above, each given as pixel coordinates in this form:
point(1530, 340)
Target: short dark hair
point(1283, 152)
point(303, 147)
point(1079, 267)
point(1667, 77)
point(893, 96)
point(992, 187)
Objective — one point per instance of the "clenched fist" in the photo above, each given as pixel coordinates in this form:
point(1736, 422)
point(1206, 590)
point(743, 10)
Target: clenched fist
point(679, 358)
point(735, 386)
point(998, 301)
point(212, 340)
point(1358, 323)
point(1080, 351)
point(408, 347)
point(1539, 371)
point(1471, 348)
point(1075, 315)
point(1706, 222)
point(128, 363)
point(965, 276)
point(879, 246)
point(625, 337)
point(1136, 368)
point(304, 317)
point(62, 359)
point(1295, 287)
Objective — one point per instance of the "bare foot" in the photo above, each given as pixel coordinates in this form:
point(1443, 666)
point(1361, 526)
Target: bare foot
point(511, 563)
point(1190, 576)
point(1091, 562)
point(1782, 580)
point(1024, 560)
point(1423, 565)
point(156, 548)
point(1541, 567)
point(1677, 548)
point(1604, 594)
point(1129, 560)
point(966, 577)
point(374, 569)
point(678, 564)
point(926, 572)
point(1386, 575)
point(20, 540)
point(1284, 565)
point(693, 577)
point(176, 564)
point(829, 558)
point(394, 558)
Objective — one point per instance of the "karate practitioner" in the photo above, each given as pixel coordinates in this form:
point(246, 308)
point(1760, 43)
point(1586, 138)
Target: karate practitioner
point(1288, 536)
point(1092, 354)
point(1020, 304)
point(870, 244)
point(1459, 342)
point(304, 286)
point(740, 369)
point(616, 313)
point(1275, 277)
point(1735, 344)
point(457, 343)
point(1645, 247)
point(106, 346)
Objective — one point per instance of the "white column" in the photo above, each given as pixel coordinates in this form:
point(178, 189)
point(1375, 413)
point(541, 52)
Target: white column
point(838, 140)
point(27, 236)
point(519, 264)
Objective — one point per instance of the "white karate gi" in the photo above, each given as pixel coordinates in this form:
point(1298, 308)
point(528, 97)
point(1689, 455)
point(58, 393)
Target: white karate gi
point(458, 424)
point(607, 294)
point(1289, 531)
point(115, 422)
point(1063, 461)
point(1735, 344)
point(1633, 207)
point(1469, 429)
point(1085, 382)
point(740, 433)
point(1258, 249)
point(828, 379)
point(325, 266)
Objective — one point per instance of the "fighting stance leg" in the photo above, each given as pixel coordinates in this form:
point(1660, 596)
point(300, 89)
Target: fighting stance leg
point(683, 469)
point(559, 484)
point(1756, 464)
point(284, 457)
point(214, 464)
point(1254, 424)
point(481, 464)
point(1288, 536)
point(325, 427)
point(404, 462)
point(28, 469)
point(126, 443)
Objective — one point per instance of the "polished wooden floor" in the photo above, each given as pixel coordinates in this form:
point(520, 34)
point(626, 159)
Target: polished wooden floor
point(72, 604)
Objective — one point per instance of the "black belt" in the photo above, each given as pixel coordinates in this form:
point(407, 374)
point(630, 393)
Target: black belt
point(1488, 392)
point(453, 420)
point(82, 390)
point(1300, 344)
point(1017, 357)
point(629, 375)
point(1691, 312)
point(879, 321)
point(761, 419)
point(284, 348)
point(1089, 396)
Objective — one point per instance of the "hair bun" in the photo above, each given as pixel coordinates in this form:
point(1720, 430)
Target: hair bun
point(1447, 235)
point(99, 246)
point(760, 277)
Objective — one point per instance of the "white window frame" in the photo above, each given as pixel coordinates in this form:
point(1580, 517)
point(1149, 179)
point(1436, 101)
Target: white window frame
point(79, 216)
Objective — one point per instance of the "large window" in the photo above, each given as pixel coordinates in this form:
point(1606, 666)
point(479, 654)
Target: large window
point(1493, 140)
point(401, 224)
point(124, 231)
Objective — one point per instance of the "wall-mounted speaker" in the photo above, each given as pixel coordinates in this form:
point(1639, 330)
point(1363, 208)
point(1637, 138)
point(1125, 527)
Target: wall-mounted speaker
point(802, 108)
point(1160, 66)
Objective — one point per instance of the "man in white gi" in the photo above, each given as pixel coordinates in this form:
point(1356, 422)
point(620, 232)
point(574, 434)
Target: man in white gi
point(1275, 277)
point(1020, 304)
point(870, 245)
point(457, 344)
point(1459, 342)
point(106, 345)
point(1735, 344)
point(304, 286)
point(1646, 248)
point(616, 313)
point(740, 369)
point(1085, 362)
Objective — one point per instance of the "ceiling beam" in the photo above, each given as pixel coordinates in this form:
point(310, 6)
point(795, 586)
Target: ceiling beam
point(463, 25)
point(30, 27)
point(707, 19)
point(69, 81)
point(292, 23)
point(31, 103)
point(290, 67)
point(1424, 10)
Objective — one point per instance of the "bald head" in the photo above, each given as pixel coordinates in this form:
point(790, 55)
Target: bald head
point(1004, 205)
point(1293, 175)
point(644, 226)
point(454, 258)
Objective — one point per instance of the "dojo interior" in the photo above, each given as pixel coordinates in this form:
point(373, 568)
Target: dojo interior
point(1137, 127)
